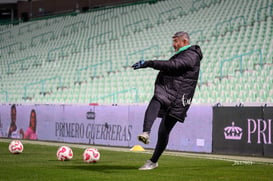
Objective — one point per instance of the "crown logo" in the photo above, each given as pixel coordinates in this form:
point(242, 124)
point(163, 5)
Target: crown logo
point(233, 132)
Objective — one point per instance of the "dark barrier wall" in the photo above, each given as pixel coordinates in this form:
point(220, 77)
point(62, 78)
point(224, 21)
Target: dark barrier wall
point(268, 116)
point(243, 130)
point(50, 7)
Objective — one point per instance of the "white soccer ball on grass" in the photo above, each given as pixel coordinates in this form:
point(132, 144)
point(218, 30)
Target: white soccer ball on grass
point(91, 155)
point(64, 153)
point(16, 147)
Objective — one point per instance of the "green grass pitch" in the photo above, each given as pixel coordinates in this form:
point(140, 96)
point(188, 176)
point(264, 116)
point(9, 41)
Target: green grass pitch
point(39, 162)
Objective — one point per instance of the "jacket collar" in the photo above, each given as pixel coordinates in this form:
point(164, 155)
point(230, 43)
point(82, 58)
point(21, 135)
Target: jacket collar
point(183, 48)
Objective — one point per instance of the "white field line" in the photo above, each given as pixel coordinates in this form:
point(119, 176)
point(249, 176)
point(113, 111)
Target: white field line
point(237, 160)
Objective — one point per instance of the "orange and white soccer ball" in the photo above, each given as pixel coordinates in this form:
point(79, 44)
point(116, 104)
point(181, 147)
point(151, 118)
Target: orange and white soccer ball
point(16, 147)
point(91, 155)
point(64, 153)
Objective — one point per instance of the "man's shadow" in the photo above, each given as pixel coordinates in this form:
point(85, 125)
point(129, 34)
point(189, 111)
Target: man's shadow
point(98, 167)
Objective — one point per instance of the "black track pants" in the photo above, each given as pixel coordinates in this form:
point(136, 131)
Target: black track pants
point(166, 125)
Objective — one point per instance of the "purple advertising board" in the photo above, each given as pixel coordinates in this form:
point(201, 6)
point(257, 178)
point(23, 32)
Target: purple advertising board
point(107, 125)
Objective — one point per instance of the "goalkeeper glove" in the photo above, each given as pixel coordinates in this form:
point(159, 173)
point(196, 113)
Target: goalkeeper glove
point(140, 64)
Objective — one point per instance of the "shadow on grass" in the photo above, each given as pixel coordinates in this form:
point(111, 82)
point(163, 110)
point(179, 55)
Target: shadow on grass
point(97, 167)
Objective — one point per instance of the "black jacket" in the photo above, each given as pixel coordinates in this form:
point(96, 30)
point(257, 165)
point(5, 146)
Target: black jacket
point(175, 83)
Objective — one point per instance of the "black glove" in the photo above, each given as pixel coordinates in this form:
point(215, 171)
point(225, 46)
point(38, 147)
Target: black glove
point(140, 64)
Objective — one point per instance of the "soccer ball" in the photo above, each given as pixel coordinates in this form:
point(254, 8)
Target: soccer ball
point(91, 155)
point(16, 147)
point(64, 153)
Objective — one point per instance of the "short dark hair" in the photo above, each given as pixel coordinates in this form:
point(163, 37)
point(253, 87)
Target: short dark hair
point(183, 34)
point(13, 107)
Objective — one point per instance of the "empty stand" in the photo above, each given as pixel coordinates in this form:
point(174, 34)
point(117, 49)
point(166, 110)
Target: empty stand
point(86, 58)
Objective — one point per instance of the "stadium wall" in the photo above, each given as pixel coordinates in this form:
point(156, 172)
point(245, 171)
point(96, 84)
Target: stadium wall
point(243, 130)
point(34, 9)
point(109, 125)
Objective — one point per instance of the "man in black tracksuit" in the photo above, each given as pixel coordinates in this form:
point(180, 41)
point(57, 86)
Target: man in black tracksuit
point(174, 89)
